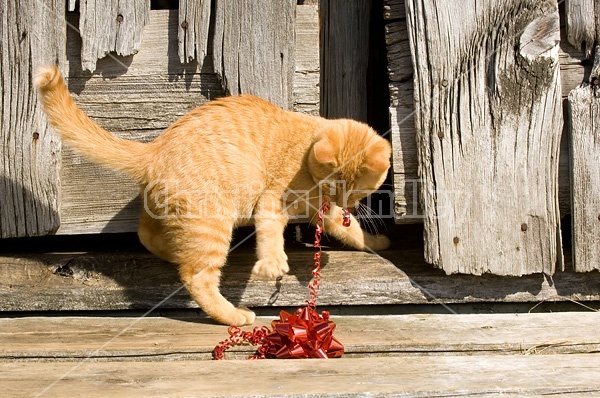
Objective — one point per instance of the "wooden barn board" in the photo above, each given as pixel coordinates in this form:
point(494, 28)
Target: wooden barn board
point(305, 91)
point(29, 173)
point(581, 19)
point(585, 166)
point(57, 339)
point(138, 280)
point(488, 124)
point(192, 30)
point(111, 26)
point(253, 46)
point(400, 70)
point(345, 56)
point(575, 375)
point(137, 97)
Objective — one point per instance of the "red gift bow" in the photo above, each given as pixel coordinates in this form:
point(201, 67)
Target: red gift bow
point(304, 334)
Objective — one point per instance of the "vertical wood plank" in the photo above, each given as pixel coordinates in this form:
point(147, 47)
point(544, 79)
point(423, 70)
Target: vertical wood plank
point(33, 34)
point(488, 119)
point(194, 23)
point(344, 58)
point(581, 24)
point(306, 77)
point(254, 48)
point(402, 122)
point(111, 26)
point(584, 107)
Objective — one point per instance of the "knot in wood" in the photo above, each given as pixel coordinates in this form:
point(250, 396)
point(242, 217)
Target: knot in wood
point(524, 227)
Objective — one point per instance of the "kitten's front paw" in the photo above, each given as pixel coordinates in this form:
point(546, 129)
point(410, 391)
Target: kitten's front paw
point(377, 242)
point(271, 267)
point(242, 316)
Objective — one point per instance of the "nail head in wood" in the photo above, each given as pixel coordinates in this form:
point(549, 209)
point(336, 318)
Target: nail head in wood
point(440, 134)
point(456, 240)
point(36, 136)
point(524, 227)
point(119, 18)
point(184, 25)
point(595, 81)
point(445, 83)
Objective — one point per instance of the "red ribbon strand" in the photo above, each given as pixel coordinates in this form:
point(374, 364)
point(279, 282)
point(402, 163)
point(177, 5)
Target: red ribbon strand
point(303, 334)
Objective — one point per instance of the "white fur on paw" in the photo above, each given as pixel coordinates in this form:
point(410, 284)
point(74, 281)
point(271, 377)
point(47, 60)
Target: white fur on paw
point(242, 316)
point(271, 267)
point(378, 242)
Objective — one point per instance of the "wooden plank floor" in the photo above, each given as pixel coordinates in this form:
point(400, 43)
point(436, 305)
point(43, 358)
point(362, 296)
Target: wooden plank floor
point(402, 355)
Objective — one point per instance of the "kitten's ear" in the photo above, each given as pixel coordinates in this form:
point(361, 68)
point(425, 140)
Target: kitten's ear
point(378, 157)
point(325, 152)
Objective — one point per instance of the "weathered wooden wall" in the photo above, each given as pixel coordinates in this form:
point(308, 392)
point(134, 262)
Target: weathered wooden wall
point(29, 173)
point(585, 166)
point(110, 26)
point(583, 32)
point(137, 97)
point(400, 70)
point(254, 48)
point(488, 121)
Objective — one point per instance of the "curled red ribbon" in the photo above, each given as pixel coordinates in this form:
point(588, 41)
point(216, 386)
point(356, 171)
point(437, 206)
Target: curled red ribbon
point(304, 334)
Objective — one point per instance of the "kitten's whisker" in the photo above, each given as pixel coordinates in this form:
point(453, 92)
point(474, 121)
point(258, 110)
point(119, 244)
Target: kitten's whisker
point(374, 216)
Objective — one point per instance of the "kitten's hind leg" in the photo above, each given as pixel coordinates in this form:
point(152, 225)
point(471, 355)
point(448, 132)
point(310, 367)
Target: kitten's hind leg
point(200, 249)
point(151, 234)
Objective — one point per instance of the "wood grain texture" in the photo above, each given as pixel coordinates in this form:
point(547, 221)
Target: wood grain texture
point(344, 58)
point(29, 179)
point(585, 165)
point(254, 48)
point(192, 32)
point(581, 24)
point(111, 26)
point(400, 71)
point(488, 122)
point(52, 339)
point(575, 375)
point(105, 281)
point(305, 89)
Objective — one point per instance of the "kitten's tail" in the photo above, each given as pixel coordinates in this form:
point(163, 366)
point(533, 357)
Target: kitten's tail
point(83, 134)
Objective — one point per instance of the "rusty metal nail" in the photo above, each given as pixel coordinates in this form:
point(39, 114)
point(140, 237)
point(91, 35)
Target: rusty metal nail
point(524, 227)
point(440, 134)
point(184, 24)
point(36, 136)
point(119, 18)
point(595, 81)
point(455, 240)
point(444, 82)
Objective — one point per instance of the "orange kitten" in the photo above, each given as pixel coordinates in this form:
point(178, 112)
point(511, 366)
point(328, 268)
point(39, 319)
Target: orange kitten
point(234, 161)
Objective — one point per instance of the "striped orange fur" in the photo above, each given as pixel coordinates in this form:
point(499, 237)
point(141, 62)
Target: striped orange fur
point(233, 161)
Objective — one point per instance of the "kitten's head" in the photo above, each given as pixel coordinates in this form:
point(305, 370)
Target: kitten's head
point(349, 161)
